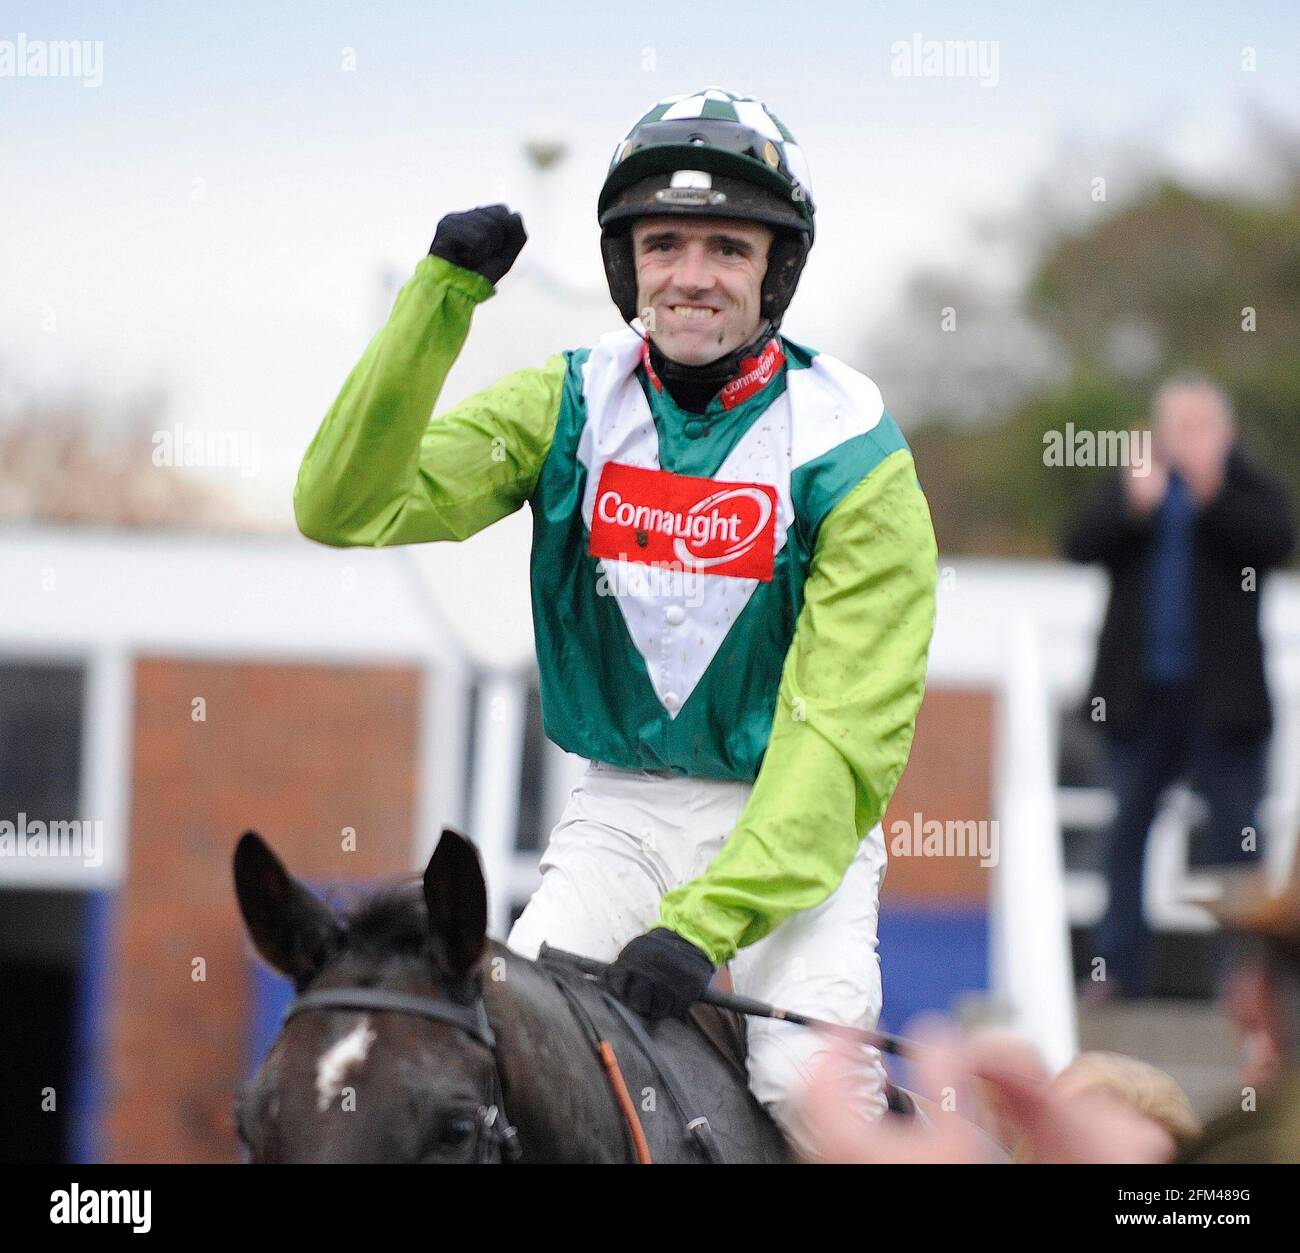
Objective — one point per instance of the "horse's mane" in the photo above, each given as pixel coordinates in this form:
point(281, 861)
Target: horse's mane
point(390, 918)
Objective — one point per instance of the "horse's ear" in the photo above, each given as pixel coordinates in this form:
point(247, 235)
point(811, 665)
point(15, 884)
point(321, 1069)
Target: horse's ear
point(292, 929)
point(455, 897)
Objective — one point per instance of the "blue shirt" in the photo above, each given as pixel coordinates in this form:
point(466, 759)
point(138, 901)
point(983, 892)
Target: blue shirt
point(1170, 636)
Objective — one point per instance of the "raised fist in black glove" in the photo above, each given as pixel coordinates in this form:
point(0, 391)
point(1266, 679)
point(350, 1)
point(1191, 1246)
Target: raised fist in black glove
point(659, 973)
point(486, 240)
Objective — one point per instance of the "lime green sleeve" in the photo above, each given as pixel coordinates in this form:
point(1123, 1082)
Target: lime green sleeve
point(846, 710)
point(381, 470)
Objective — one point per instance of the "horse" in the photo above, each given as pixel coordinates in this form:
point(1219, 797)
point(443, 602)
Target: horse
point(414, 1037)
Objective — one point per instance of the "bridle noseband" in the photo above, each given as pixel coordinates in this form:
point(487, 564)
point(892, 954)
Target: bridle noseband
point(497, 1139)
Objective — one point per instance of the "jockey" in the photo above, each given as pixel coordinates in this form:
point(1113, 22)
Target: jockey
point(733, 579)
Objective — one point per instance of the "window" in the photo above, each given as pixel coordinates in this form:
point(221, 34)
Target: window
point(44, 962)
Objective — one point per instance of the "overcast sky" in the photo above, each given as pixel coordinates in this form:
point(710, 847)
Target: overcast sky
point(215, 215)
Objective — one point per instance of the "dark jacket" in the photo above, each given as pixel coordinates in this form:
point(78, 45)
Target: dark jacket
point(1249, 524)
point(1266, 1135)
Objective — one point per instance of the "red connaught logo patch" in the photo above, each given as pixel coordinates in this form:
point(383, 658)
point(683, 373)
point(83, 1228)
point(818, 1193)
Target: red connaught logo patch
point(696, 524)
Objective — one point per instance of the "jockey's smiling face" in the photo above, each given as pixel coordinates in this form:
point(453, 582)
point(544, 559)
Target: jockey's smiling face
point(699, 281)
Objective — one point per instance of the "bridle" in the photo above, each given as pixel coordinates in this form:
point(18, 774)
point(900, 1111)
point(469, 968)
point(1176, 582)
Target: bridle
point(497, 1139)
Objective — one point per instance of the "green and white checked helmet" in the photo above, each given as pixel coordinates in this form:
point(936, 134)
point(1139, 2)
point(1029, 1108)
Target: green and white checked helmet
point(709, 153)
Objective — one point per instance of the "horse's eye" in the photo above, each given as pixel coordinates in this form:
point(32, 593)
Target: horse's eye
point(456, 1131)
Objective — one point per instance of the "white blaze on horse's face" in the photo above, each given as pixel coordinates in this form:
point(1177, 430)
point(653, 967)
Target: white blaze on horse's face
point(333, 1066)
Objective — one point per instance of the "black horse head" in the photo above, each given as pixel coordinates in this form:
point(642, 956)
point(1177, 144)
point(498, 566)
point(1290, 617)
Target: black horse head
point(345, 1084)
point(399, 1049)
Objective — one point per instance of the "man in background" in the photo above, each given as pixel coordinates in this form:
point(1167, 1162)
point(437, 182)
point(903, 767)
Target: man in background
point(1179, 683)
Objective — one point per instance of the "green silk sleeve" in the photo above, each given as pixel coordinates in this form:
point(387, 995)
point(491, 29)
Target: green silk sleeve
point(381, 470)
point(850, 689)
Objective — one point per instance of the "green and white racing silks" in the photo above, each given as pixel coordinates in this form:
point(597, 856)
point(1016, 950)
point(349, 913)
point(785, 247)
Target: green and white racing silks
point(807, 682)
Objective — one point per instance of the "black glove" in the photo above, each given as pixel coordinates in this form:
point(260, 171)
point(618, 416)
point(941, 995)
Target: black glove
point(486, 240)
point(659, 973)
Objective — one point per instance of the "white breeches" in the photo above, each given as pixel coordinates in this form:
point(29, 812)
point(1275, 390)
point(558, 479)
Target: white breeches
point(628, 837)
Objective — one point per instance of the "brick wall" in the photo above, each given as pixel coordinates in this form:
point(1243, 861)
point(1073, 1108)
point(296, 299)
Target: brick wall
point(294, 752)
point(949, 776)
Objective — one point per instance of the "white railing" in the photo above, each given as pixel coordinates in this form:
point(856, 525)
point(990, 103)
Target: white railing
point(1029, 937)
point(500, 718)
